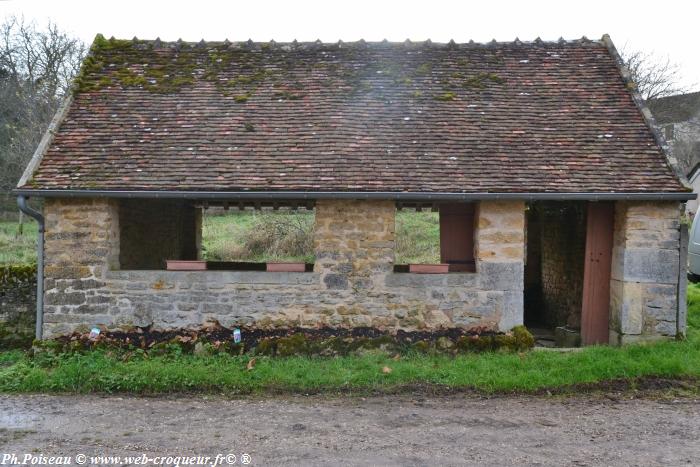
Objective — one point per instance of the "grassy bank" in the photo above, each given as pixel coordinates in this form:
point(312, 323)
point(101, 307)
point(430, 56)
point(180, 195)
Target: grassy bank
point(98, 372)
point(102, 371)
point(16, 247)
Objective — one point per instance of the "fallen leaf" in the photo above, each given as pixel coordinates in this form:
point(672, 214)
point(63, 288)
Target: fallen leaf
point(386, 370)
point(396, 357)
point(251, 364)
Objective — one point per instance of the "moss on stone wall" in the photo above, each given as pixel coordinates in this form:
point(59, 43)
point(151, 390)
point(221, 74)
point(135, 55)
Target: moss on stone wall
point(14, 275)
point(17, 305)
point(326, 342)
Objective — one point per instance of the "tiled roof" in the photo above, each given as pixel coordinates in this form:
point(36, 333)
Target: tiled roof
point(675, 109)
point(418, 117)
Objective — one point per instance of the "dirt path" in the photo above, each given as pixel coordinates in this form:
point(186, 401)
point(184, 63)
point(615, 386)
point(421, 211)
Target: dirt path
point(387, 430)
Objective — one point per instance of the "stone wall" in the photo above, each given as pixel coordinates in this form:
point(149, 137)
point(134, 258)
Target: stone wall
point(81, 244)
point(17, 305)
point(353, 283)
point(499, 240)
point(645, 272)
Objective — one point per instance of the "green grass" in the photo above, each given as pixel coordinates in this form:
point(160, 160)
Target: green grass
point(16, 248)
point(417, 237)
point(102, 371)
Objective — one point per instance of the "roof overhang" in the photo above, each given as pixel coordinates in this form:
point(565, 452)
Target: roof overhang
point(313, 195)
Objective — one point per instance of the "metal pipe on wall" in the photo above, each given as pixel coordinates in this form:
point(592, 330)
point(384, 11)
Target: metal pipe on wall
point(36, 215)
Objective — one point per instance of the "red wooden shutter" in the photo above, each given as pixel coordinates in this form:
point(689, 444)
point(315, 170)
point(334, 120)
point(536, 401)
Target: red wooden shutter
point(457, 236)
point(596, 275)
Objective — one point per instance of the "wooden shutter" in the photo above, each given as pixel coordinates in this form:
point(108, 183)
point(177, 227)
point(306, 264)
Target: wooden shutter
point(457, 236)
point(596, 275)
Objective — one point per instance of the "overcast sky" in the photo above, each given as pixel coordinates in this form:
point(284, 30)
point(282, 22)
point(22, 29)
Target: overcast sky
point(667, 28)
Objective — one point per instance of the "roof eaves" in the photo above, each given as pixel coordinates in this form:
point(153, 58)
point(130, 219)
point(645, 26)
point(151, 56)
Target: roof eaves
point(646, 113)
point(402, 195)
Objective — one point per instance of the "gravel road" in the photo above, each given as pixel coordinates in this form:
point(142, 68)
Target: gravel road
point(383, 430)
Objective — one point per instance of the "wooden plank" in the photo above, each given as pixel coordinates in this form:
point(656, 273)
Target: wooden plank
point(595, 313)
point(457, 236)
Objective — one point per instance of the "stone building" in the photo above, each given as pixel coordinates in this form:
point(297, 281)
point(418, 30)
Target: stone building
point(557, 204)
point(679, 120)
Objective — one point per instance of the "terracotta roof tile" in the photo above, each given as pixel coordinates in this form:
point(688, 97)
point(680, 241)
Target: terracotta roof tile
point(507, 117)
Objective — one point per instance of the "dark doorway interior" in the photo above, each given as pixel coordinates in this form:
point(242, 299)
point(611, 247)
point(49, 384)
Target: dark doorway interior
point(554, 268)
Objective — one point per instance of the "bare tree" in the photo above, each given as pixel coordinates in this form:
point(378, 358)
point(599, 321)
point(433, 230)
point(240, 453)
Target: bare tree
point(36, 69)
point(655, 77)
point(687, 152)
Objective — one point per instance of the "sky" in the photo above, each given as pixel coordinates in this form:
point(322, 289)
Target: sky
point(665, 29)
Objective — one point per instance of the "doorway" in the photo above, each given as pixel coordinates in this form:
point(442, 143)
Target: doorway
point(567, 271)
point(556, 242)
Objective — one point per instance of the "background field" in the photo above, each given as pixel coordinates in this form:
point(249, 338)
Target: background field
point(16, 247)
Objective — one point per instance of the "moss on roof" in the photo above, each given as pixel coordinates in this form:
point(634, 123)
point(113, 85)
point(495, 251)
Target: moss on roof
point(239, 69)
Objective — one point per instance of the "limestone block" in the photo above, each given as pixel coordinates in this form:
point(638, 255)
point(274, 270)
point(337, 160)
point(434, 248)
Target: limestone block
point(646, 265)
point(626, 307)
point(501, 275)
point(512, 310)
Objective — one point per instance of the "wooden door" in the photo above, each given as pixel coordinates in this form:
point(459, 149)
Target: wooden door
point(596, 274)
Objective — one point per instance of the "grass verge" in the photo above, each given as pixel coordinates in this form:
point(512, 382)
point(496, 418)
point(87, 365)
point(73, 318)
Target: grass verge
point(135, 372)
point(16, 247)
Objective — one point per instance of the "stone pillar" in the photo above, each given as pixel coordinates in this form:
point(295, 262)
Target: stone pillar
point(500, 254)
point(81, 245)
point(354, 243)
point(645, 271)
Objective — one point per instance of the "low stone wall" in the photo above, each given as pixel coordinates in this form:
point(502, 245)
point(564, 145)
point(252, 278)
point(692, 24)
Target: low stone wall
point(171, 300)
point(645, 272)
point(353, 283)
point(17, 304)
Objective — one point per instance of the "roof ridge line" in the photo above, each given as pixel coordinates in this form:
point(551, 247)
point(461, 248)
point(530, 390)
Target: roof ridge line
point(158, 42)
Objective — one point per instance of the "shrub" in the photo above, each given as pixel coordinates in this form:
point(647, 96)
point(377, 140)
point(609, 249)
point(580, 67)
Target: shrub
point(259, 237)
point(281, 235)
